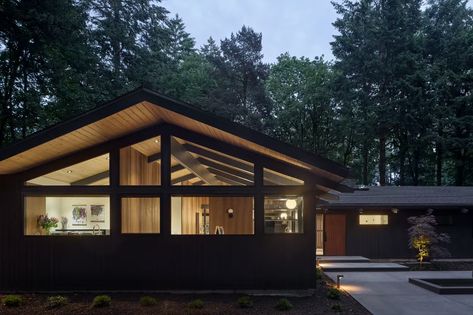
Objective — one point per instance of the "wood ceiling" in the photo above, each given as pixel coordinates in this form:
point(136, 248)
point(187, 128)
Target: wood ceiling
point(139, 115)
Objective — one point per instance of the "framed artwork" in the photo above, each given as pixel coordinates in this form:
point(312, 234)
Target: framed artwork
point(97, 213)
point(79, 215)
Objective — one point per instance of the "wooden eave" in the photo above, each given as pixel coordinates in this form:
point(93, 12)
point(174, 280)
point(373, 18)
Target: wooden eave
point(141, 109)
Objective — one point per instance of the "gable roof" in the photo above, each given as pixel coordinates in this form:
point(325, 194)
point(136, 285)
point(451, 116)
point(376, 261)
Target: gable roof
point(142, 108)
point(405, 196)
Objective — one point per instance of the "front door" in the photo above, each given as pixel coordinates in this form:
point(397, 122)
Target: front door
point(335, 231)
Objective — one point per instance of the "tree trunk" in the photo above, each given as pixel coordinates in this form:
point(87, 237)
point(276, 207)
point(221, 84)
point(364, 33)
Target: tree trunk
point(382, 160)
point(439, 163)
point(402, 158)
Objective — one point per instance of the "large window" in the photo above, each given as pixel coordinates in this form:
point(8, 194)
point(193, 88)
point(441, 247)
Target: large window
point(71, 215)
point(212, 215)
point(140, 215)
point(140, 163)
point(93, 172)
point(192, 164)
point(373, 219)
point(283, 214)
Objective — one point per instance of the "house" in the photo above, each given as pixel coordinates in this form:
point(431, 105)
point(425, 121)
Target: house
point(372, 222)
point(148, 193)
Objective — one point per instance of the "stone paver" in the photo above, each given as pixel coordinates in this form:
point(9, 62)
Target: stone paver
point(390, 293)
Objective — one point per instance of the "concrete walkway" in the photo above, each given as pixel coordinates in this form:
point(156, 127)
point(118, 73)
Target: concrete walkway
point(390, 293)
point(348, 267)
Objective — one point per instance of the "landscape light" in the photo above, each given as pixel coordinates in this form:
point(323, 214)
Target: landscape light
point(339, 277)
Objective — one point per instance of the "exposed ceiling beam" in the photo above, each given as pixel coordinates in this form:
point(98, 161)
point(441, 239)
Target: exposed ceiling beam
point(233, 178)
point(91, 179)
point(199, 183)
point(182, 178)
point(154, 157)
point(280, 180)
point(217, 157)
point(177, 167)
point(180, 153)
point(226, 169)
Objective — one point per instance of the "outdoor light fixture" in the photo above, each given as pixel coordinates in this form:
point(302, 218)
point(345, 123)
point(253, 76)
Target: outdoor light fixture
point(360, 210)
point(464, 210)
point(291, 204)
point(230, 212)
point(339, 277)
point(395, 210)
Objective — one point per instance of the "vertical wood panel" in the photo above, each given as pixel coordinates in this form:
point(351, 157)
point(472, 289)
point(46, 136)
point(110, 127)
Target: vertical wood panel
point(140, 215)
point(242, 220)
point(191, 206)
point(34, 207)
point(135, 169)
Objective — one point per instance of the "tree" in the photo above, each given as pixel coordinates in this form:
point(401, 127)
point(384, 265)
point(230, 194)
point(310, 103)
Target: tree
point(424, 238)
point(303, 107)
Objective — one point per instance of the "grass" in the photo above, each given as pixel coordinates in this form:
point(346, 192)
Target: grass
point(284, 305)
point(56, 301)
point(12, 300)
point(148, 301)
point(102, 301)
point(196, 304)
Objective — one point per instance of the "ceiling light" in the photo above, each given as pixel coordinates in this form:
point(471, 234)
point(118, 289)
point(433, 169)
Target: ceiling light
point(291, 204)
point(156, 141)
point(69, 172)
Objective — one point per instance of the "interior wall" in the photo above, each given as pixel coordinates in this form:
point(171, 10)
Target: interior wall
point(242, 220)
point(190, 206)
point(140, 215)
point(135, 169)
point(34, 207)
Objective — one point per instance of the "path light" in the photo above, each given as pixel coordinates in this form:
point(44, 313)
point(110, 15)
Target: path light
point(339, 277)
point(291, 204)
point(395, 210)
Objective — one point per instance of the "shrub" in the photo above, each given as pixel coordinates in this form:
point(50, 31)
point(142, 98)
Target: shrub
point(196, 304)
point(333, 294)
point(12, 300)
point(336, 308)
point(56, 301)
point(102, 301)
point(245, 302)
point(284, 305)
point(148, 301)
point(318, 273)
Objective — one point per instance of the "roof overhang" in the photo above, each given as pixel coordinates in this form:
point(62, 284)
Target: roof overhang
point(143, 108)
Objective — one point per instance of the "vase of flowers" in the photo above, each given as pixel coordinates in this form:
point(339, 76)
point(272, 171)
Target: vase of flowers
point(47, 223)
point(64, 223)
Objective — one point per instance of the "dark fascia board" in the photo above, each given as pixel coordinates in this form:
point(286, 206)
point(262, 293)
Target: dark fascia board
point(356, 207)
point(143, 94)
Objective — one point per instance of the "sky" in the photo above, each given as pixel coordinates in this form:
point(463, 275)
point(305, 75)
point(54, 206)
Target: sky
point(300, 27)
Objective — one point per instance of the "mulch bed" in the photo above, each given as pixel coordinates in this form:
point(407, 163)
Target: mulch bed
point(178, 304)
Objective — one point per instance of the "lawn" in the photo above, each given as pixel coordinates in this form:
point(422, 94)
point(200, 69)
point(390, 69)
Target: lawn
point(319, 303)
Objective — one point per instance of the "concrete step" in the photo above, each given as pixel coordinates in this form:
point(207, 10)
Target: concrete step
point(348, 259)
point(347, 266)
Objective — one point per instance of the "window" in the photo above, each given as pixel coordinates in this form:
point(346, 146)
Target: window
point(140, 215)
point(192, 164)
point(140, 163)
point(272, 178)
point(212, 215)
point(373, 219)
point(93, 172)
point(60, 215)
point(283, 214)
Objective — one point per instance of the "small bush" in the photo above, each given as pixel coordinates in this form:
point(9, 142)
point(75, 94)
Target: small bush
point(148, 301)
point(284, 305)
point(318, 274)
point(196, 304)
point(56, 301)
point(336, 308)
point(102, 301)
point(245, 302)
point(333, 294)
point(12, 300)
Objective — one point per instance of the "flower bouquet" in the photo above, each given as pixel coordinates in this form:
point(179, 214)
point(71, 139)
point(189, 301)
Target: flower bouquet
point(46, 223)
